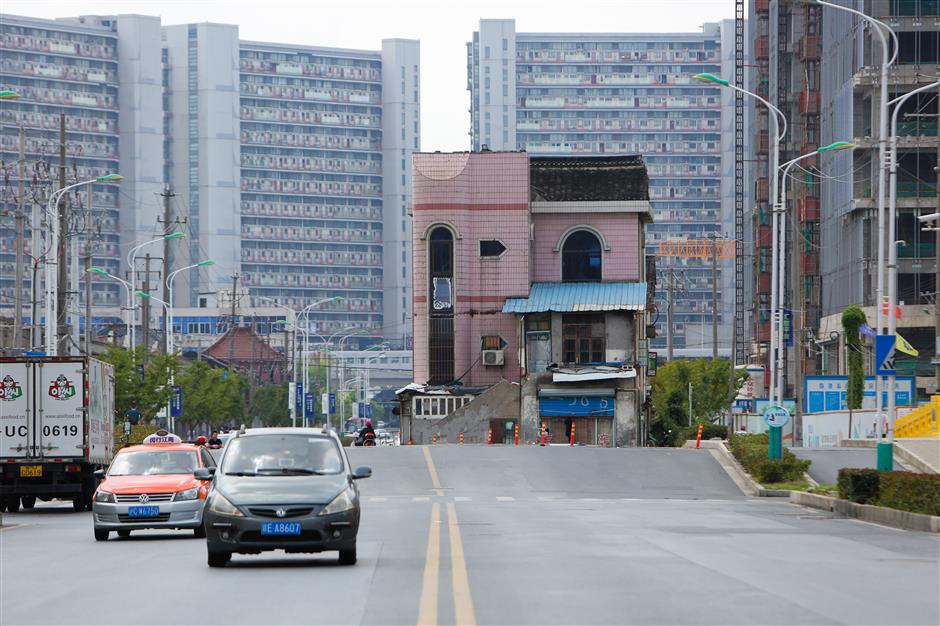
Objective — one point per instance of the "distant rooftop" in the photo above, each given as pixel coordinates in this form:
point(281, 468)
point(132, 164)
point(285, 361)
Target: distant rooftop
point(594, 179)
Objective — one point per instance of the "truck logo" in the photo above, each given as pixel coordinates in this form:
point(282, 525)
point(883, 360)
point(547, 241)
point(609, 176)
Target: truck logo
point(61, 388)
point(10, 389)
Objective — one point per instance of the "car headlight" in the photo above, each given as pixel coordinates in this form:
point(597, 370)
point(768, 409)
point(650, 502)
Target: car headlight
point(343, 502)
point(220, 504)
point(187, 494)
point(104, 496)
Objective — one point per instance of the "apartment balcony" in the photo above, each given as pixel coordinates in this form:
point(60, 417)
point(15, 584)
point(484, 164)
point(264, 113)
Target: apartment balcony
point(764, 235)
point(763, 190)
point(762, 6)
point(916, 189)
point(809, 48)
point(48, 121)
point(808, 208)
point(763, 331)
point(763, 282)
point(763, 142)
point(294, 233)
point(811, 265)
point(809, 102)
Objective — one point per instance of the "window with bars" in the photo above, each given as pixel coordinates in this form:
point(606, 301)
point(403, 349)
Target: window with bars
point(583, 339)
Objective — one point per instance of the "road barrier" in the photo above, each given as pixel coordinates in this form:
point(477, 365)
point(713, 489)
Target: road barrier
point(489, 436)
point(461, 437)
point(543, 433)
point(516, 434)
point(571, 443)
point(698, 437)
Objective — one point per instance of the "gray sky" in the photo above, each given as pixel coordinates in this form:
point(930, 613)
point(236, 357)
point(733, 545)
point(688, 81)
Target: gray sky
point(443, 26)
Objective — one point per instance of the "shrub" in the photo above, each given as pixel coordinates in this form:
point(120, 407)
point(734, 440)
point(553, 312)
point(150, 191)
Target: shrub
point(859, 485)
point(907, 491)
point(751, 452)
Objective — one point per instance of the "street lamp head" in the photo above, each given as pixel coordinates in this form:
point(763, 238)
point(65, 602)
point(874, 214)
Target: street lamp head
point(206, 262)
point(142, 294)
point(838, 145)
point(109, 178)
point(174, 235)
point(711, 78)
point(97, 270)
point(8, 93)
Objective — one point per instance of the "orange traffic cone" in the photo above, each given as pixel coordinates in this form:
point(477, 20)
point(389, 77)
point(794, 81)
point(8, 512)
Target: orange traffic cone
point(489, 437)
point(516, 434)
point(543, 433)
point(571, 444)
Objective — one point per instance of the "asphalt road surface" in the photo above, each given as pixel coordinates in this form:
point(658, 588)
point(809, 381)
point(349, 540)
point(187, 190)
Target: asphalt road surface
point(499, 535)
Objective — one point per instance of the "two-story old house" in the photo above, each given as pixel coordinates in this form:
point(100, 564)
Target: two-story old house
point(530, 298)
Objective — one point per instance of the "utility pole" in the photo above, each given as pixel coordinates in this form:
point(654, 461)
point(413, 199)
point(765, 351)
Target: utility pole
point(57, 325)
point(231, 343)
point(167, 221)
point(670, 298)
point(20, 243)
point(88, 247)
point(714, 299)
point(145, 310)
point(936, 284)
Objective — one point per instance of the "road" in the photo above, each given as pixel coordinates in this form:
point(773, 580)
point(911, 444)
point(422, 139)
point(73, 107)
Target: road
point(828, 461)
point(499, 535)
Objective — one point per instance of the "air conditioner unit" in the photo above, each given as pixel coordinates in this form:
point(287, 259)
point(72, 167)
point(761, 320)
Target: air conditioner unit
point(493, 357)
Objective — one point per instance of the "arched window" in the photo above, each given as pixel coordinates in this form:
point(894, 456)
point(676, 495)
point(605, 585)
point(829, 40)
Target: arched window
point(441, 309)
point(581, 257)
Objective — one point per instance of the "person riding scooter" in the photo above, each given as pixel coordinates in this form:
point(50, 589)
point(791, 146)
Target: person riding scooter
point(366, 435)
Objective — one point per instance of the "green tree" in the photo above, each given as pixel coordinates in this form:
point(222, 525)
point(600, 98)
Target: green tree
point(212, 395)
point(151, 394)
point(710, 392)
point(852, 319)
point(270, 404)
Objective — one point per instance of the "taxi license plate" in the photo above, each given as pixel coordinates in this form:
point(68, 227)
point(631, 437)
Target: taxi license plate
point(280, 528)
point(30, 471)
point(143, 511)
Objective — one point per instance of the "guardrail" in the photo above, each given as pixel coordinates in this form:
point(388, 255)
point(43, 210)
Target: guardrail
point(921, 422)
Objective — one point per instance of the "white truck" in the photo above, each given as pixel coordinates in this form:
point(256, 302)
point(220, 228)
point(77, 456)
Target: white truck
point(56, 429)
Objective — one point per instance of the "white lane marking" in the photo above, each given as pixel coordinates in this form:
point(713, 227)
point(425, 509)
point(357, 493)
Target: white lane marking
point(505, 499)
point(421, 499)
point(463, 499)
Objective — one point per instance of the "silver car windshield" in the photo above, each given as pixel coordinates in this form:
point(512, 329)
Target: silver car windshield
point(272, 455)
point(147, 463)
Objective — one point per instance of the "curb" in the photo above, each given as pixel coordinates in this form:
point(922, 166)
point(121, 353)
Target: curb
point(911, 459)
point(884, 516)
point(745, 483)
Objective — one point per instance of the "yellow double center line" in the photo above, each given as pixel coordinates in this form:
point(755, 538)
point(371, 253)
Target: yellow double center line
point(463, 600)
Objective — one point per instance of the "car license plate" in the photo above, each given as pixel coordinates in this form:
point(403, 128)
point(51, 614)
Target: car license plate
point(30, 471)
point(143, 511)
point(280, 528)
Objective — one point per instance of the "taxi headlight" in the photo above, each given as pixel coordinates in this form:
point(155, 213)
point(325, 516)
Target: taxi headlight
point(187, 494)
point(343, 502)
point(221, 505)
point(104, 496)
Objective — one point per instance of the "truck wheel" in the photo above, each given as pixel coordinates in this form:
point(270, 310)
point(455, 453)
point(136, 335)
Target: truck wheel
point(78, 504)
point(13, 504)
point(28, 501)
point(88, 493)
point(101, 535)
point(219, 559)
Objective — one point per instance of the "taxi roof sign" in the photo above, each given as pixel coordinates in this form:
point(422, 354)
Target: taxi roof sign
point(161, 436)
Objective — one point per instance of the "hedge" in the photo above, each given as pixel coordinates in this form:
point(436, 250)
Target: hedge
point(859, 485)
point(751, 452)
point(905, 491)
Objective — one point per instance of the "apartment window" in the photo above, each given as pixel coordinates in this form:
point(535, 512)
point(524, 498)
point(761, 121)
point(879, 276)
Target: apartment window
point(491, 248)
point(441, 322)
point(581, 257)
point(582, 339)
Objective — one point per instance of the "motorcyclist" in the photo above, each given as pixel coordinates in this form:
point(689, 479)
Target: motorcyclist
point(366, 431)
point(201, 440)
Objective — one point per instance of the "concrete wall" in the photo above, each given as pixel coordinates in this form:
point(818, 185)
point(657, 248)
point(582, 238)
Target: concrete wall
point(501, 401)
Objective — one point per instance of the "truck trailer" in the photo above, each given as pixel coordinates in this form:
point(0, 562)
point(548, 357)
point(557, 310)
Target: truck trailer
point(56, 429)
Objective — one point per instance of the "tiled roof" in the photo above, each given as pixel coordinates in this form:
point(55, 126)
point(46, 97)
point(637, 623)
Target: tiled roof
point(242, 344)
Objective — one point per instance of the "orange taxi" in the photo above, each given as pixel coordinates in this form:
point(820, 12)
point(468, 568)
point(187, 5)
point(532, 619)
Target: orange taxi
point(152, 486)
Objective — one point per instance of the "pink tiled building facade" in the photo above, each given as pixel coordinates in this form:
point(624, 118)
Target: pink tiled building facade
point(530, 298)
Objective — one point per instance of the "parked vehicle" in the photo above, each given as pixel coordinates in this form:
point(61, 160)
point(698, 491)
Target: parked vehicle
point(288, 489)
point(56, 429)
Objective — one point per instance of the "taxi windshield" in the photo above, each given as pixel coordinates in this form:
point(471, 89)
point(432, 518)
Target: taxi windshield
point(153, 462)
point(272, 455)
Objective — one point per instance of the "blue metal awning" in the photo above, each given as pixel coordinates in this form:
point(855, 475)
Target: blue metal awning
point(579, 297)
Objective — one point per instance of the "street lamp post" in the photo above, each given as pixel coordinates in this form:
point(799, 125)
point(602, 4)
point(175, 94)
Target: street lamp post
point(52, 286)
point(133, 281)
point(170, 421)
point(886, 448)
point(881, 29)
point(778, 131)
point(168, 322)
point(127, 301)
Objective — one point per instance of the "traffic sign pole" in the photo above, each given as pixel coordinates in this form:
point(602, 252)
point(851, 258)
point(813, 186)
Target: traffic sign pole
point(776, 417)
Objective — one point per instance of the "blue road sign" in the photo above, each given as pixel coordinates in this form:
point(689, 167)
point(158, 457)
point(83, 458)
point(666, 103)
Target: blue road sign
point(308, 405)
point(176, 402)
point(884, 355)
point(332, 403)
point(299, 395)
